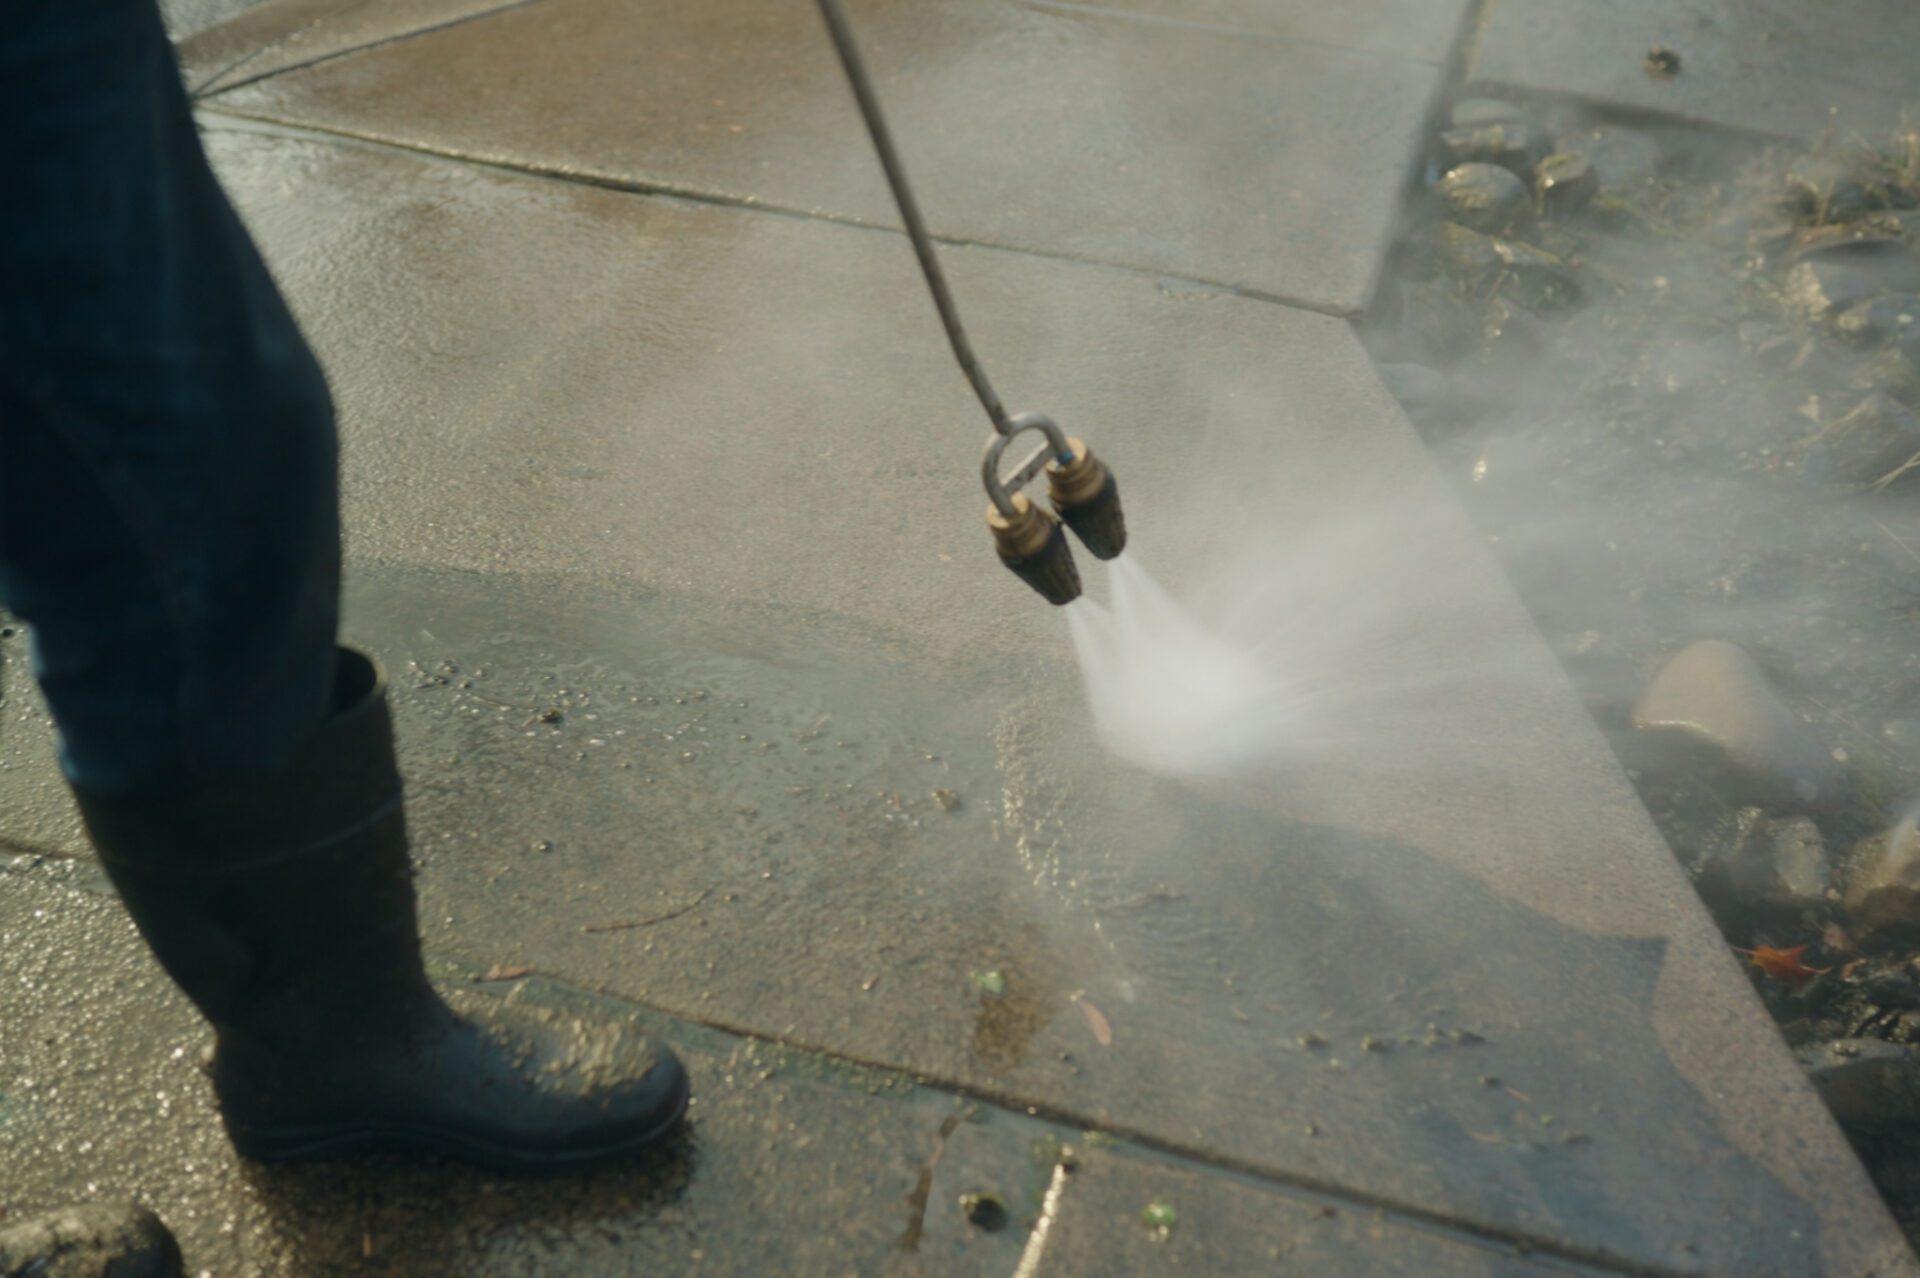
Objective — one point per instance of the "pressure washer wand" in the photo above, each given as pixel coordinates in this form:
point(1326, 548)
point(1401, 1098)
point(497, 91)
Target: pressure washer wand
point(1083, 491)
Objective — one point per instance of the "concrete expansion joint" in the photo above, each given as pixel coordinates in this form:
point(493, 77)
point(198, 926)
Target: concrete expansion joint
point(1471, 31)
point(207, 109)
point(1459, 1230)
point(204, 90)
point(1295, 40)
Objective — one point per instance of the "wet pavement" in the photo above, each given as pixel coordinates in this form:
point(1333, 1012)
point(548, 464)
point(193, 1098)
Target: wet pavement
point(792, 1162)
point(185, 18)
point(263, 40)
point(715, 706)
point(1768, 66)
point(1214, 149)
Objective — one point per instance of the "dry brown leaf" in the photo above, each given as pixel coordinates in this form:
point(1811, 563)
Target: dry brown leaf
point(1097, 1022)
point(504, 972)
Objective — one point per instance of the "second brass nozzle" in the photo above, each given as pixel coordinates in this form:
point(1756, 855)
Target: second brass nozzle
point(1087, 496)
point(1035, 547)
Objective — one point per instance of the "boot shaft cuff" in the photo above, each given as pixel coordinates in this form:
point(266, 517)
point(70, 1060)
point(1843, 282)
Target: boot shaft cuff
point(341, 780)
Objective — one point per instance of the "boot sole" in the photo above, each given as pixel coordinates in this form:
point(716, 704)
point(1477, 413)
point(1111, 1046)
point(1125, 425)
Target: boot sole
point(322, 1142)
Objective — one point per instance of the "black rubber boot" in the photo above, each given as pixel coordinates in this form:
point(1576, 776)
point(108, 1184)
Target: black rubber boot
point(283, 905)
point(98, 1240)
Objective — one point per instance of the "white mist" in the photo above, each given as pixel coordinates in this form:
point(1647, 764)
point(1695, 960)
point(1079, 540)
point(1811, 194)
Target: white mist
point(1166, 692)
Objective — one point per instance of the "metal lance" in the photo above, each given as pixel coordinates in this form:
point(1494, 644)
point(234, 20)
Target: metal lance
point(1083, 493)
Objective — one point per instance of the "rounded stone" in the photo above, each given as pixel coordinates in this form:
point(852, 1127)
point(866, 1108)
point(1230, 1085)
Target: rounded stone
point(121, 1239)
point(1532, 277)
point(1767, 865)
point(1892, 318)
point(1566, 180)
point(1713, 702)
point(1882, 893)
point(1867, 1083)
point(1832, 275)
point(1511, 144)
point(1484, 197)
point(1471, 112)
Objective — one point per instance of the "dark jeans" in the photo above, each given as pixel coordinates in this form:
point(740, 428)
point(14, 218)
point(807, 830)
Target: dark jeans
point(169, 524)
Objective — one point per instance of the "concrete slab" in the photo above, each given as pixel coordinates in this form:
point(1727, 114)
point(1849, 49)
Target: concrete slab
point(1266, 164)
point(603, 393)
point(40, 814)
point(1423, 32)
point(605, 451)
point(188, 17)
point(792, 1163)
point(1235, 1228)
point(1771, 66)
point(748, 829)
point(256, 39)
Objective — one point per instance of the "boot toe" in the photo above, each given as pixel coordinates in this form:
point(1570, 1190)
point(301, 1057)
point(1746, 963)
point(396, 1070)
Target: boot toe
point(575, 1089)
point(504, 1085)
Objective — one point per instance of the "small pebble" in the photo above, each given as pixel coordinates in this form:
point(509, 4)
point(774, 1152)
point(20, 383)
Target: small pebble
point(1565, 180)
point(1662, 63)
point(1484, 197)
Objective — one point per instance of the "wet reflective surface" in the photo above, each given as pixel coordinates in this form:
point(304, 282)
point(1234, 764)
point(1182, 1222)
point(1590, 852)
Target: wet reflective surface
point(790, 1162)
point(263, 39)
point(774, 824)
point(1763, 66)
point(1149, 139)
point(920, 865)
point(712, 699)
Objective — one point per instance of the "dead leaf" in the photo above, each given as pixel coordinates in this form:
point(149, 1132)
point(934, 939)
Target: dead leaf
point(504, 972)
point(1782, 965)
point(1096, 1021)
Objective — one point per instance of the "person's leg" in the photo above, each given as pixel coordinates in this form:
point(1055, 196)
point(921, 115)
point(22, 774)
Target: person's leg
point(168, 518)
point(168, 527)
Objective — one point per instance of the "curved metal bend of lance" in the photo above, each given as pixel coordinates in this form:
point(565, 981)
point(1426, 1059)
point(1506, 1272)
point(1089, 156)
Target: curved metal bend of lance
point(1056, 449)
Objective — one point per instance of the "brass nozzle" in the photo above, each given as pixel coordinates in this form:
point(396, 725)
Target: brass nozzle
point(1087, 497)
point(1033, 545)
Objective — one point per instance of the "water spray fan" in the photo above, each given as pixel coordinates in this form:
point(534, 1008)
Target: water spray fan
point(1085, 498)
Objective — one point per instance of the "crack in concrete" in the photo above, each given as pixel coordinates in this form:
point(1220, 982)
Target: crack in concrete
point(1469, 50)
point(1569, 1257)
point(923, 1188)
